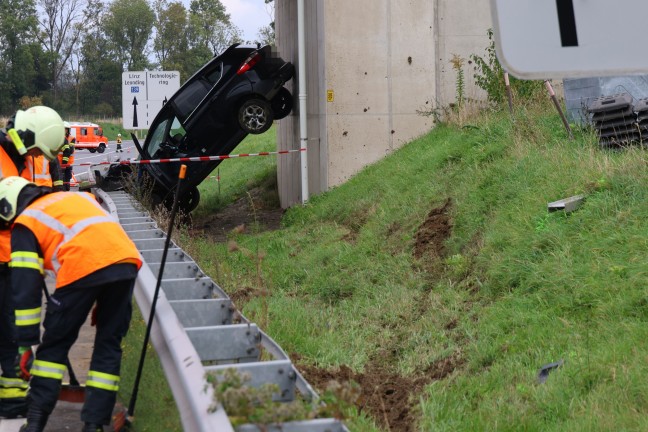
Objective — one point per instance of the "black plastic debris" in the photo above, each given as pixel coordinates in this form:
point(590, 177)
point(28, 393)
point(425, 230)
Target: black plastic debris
point(544, 370)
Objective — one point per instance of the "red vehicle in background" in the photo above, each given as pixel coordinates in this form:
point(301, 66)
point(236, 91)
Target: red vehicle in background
point(88, 136)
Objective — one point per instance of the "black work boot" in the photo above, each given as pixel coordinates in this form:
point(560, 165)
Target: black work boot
point(36, 420)
point(92, 427)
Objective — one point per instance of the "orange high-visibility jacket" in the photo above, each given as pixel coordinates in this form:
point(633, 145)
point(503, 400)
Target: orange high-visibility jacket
point(38, 170)
point(77, 237)
point(66, 154)
point(7, 169)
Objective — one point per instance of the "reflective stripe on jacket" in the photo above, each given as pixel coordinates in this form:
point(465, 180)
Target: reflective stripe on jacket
point(39, 171)
point(77, 237)
point(7, 169)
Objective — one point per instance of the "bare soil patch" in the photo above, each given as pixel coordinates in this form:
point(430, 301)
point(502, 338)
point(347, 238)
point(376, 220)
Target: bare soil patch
point(255, 212)
point(388, 397)
point(429, 241)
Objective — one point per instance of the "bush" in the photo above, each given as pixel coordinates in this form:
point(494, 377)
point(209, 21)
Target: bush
point(489, 76)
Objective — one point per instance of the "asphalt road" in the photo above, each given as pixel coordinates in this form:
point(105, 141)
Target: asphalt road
point(109, 155)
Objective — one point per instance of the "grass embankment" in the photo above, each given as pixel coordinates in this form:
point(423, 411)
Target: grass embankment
point(111, 130)
point(510, 289)
point(513, 287)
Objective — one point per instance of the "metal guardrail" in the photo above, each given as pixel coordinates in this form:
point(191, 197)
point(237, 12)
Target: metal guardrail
point(197, 330)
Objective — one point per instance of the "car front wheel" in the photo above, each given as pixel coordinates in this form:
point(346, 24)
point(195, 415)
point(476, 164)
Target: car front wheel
point(255, 116)
point(101, 148)
point(282, 103)
point(189, 200)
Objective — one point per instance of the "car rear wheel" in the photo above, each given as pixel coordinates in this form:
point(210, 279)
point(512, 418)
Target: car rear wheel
point(282, 103)
point(92, 150)
point(255, 116)
point(101, 148)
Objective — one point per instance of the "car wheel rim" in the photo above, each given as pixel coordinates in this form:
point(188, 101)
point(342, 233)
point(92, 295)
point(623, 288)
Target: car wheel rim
point(254, 117)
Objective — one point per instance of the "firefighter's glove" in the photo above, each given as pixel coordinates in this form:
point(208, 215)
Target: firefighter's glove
point(93, 316)
point(24, 361)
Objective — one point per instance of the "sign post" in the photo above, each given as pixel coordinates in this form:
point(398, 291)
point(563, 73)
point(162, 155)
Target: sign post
point(539, 39)
point(143, 95)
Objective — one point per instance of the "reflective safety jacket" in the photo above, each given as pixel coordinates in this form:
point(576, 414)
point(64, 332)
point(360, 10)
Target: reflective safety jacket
point(76, 236)
point(43, 172)
point(66, 155)
point(10, 166)
point(69, 233)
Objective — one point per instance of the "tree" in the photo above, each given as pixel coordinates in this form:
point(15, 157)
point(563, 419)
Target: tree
point(128, 26)
point(266, 35)
point(170, 42)
point(101, 67)
point(17, 71)
point(59, 34)
point(210, 26)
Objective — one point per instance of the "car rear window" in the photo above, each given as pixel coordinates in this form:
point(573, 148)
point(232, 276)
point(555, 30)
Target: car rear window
point(215, 75)
point(191, 96)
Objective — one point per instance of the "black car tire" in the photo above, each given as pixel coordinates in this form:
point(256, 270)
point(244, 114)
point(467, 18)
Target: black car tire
point(282, 103)
point(101, 148)
point(255, 116)
point(92, 150)
point(189, 200)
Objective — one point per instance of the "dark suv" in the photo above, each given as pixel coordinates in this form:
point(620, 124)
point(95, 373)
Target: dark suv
point(237, 93)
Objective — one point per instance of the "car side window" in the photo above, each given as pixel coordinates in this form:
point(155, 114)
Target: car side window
point(177, 133)
point(84, 131)
point(157, 138)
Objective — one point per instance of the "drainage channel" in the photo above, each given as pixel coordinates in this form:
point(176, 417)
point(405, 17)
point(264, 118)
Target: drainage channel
point(198, 330)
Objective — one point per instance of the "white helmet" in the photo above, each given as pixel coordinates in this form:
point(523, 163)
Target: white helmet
point(39, 127)
point(10, 188)
point(118, 135)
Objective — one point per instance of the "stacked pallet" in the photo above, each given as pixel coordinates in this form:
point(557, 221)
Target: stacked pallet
point(615, 120)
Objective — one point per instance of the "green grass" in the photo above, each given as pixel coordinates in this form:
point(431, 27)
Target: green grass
point(111, 130)
point(233, 177)
point(525, 287)
point(522, 287)
point(155, 409)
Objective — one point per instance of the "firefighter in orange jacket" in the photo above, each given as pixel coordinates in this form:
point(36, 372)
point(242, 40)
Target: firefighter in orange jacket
point(60, 232)
point(44, 172)
point(33, 133)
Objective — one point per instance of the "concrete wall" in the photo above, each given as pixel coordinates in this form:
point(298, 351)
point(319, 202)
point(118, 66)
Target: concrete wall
point(462, 30)
point(372, 65)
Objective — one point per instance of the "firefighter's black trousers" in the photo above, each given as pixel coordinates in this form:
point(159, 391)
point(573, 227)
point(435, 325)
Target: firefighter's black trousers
point(67, 177)
point(8, 348)
point(67, 310)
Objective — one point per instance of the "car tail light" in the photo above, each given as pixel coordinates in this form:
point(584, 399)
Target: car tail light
point(249, 63)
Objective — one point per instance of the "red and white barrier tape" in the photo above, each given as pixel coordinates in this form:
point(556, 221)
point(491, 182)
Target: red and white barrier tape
point(188, 159)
